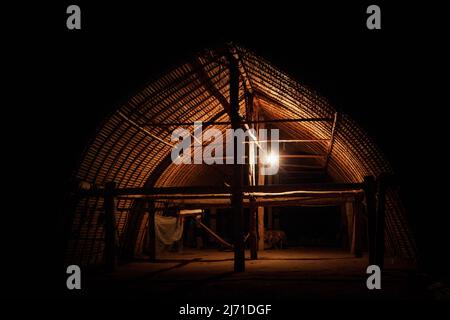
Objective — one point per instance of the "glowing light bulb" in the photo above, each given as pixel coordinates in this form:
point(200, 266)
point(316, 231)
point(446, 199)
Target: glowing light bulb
point(271, 159)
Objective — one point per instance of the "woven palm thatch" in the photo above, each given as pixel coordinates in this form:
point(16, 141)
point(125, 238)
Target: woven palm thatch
point(131, 151)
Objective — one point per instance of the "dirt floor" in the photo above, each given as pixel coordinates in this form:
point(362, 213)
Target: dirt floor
point(289, 274)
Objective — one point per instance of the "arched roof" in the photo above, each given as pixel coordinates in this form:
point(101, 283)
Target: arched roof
point(130, 150)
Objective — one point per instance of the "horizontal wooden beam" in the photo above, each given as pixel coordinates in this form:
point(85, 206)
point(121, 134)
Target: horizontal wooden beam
point(225, 191)
point(329, 199)
point(148, 133)
point(292, 141)
point(302, 156)
point(247, 195)
point(179, 124)
point(281, 156)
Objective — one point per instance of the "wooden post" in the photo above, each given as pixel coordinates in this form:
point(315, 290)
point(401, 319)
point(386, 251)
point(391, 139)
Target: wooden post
point(347, 225)
point(253, 230)
point(356, 248)
point(131, 232)
point(261, 228)
point(238, 172)
point(251, 148)
point(381, 206)
point(350, 215)
point(261, 182)
point(269, 210)
point(151, 235)
point(276, 210)
point(369, 190)
point(110, 227)
point(253, 209)
point(213, 219)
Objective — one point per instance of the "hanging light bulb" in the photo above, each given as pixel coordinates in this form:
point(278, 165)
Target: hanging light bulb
point(271, 159)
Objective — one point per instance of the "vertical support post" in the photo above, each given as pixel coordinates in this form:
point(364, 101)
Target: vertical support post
point(261, 182)
point(276, 210)
point(110, 227)
point(261, 228)
point(131, 232)
point(251, 148)
point(381, 209)
point(238, 172)
point(347, 225)
point(369, 190)
point(253, 230)
point(356, 248)
point(350, 215)
point(213, 219)
point(253, 210)
point(151, 235)
point(269, 210)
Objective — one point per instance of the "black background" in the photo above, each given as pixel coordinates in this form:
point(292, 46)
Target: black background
point(62, 83)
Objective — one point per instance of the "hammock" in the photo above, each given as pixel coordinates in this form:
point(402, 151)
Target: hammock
point(217, 237)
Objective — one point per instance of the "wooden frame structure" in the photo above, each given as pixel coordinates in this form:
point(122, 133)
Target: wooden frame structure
point(217, 87)
point(266, 195)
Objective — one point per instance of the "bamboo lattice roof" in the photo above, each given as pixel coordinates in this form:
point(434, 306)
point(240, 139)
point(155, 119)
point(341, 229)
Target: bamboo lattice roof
point(131, 151)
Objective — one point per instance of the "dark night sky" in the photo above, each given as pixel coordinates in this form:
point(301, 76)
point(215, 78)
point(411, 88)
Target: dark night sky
point(388, 80)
